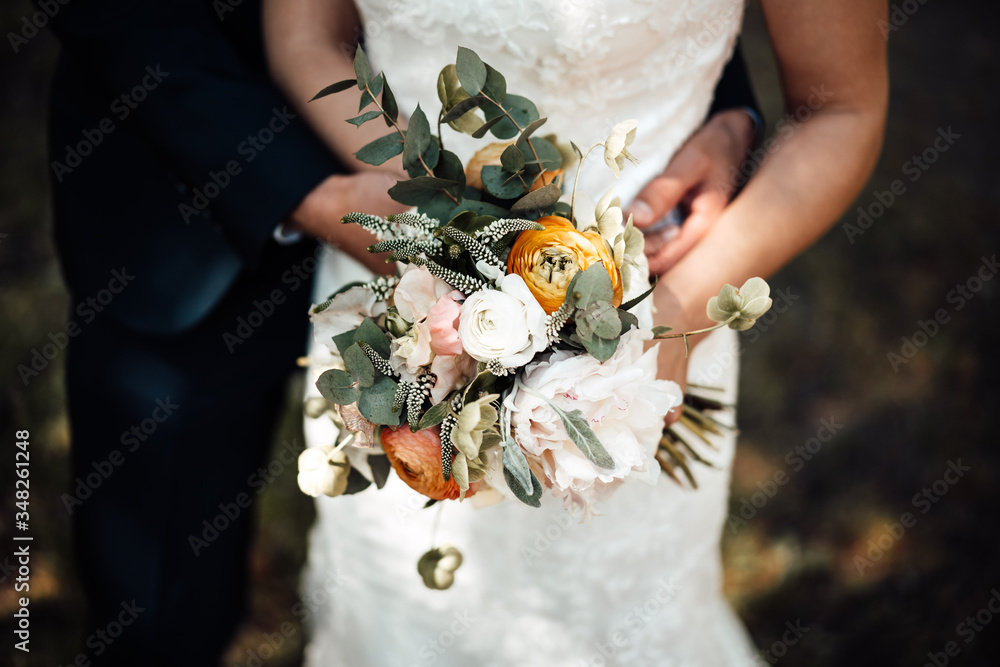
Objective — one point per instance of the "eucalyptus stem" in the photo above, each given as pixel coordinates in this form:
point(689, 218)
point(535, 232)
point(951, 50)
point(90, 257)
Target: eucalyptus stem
point(402, 135)
point(519, 128)
point(687, 345)
point(576, 181)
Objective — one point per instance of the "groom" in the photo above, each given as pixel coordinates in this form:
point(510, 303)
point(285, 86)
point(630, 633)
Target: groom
point(175, 163)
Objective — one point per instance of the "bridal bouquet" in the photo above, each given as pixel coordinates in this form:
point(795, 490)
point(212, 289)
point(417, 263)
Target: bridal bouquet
point(508, 357)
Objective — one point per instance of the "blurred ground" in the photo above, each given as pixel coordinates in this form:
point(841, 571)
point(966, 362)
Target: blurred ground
point(812, 538)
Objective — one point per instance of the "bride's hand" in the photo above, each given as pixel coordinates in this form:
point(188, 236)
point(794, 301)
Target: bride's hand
point(320, 212)
point(700, 178)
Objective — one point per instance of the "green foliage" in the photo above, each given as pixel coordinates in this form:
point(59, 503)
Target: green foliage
point(375, 402)
point(381, 150)
point(337, 386)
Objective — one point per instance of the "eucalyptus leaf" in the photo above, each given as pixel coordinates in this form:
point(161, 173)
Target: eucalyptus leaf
point(471, 70)
point(590, 286)
point(579, 431)
point(481, 207)
point(364, 118)
point(344, 341)
point(362, 69)
point(548, 156)
point(389, 105)
point(576, 149)
point(335, 88)
point(660, 330)
point(420, 190)
point(375, 402)
point(526, 132)
point(366, 99)
point(418, 139)
point(498, 182)
point(486, 127)
point(521, 109)
point(534, 499)
point(599, 319)
point(337, 386)
point(600, 348)
point(463, 107)
point(359, 366)
point(629, 321)
point(375, 87)
point(450, 168)
point(380, 466)
point(496, 86)
point(512, 159)
point(374, 336)
point(434, 416)
point(440, 206)
point(381, 150)
point(537, 199)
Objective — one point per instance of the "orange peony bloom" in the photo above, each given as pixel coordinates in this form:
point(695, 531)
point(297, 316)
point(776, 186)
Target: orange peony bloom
point(416, 458)
point(548, 259)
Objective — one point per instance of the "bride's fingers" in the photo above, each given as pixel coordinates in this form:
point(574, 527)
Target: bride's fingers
point(705, 210)
point(685, 172)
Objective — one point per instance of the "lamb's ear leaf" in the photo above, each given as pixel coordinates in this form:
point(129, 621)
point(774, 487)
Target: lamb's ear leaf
point(534, 499)
point(585, 439)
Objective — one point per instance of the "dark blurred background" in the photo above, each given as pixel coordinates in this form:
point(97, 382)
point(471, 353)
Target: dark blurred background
point(839, 439)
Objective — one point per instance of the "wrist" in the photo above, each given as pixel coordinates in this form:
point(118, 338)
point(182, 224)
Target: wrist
point(313, 211)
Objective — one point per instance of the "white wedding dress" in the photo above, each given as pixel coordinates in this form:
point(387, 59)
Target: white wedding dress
point(639, 585)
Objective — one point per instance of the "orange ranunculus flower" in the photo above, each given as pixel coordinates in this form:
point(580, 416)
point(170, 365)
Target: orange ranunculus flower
point(416, 458)
point(548, 259)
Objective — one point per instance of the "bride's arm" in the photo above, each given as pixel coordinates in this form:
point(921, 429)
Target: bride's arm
point(832, 60)
point(310, 44)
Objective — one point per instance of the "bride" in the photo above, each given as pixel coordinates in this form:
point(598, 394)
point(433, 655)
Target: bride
point(641, 583)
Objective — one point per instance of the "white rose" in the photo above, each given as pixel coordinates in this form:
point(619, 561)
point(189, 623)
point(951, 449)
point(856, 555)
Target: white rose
point(323, 471)
point(623, 401)
point(506, 324)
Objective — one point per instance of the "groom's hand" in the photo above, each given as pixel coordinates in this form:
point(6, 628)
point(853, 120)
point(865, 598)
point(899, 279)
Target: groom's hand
point(319, 214)
point(700, 179)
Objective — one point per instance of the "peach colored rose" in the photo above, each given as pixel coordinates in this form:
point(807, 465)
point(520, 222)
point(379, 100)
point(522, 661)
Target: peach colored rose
point(416, 458)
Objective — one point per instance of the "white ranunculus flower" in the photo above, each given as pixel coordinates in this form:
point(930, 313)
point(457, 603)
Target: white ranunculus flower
point(623, 401)
point(506, 324)
point(323, 471)
point(616, 145)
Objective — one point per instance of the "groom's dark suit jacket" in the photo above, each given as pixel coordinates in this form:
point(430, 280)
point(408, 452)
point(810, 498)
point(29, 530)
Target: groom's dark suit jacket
point(173, 154)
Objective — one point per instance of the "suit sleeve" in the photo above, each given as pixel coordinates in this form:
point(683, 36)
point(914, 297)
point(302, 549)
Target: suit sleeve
point(207, 106)
point(735, 91)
